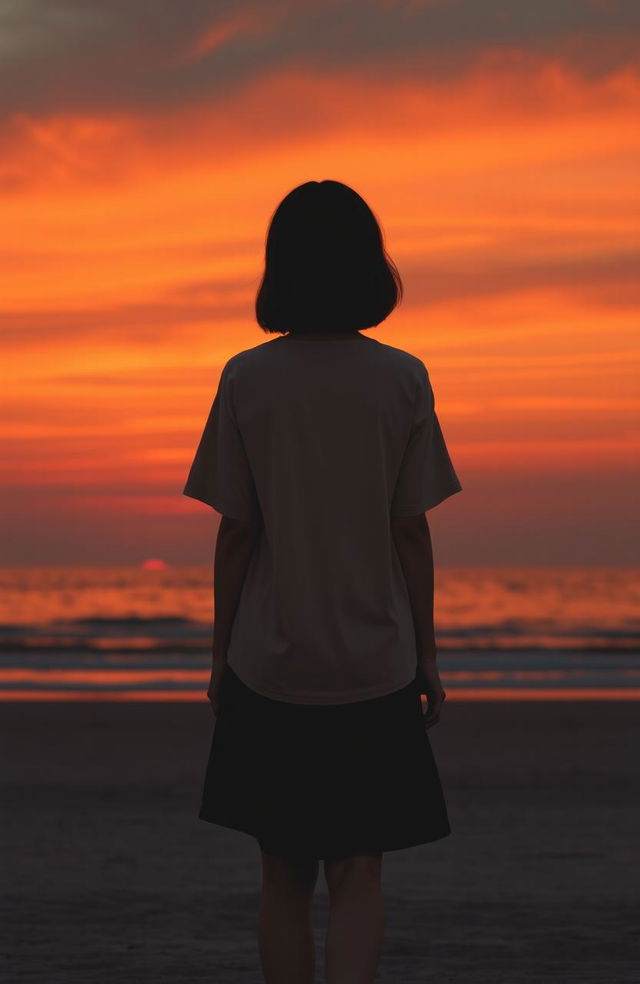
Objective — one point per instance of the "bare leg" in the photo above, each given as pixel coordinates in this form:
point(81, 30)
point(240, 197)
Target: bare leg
point(285, 926)
point(356, 919)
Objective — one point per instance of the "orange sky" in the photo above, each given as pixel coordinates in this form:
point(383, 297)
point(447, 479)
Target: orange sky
point(132, 240)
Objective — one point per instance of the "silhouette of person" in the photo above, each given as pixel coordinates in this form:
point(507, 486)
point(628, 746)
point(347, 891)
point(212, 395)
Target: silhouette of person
point(322, 452)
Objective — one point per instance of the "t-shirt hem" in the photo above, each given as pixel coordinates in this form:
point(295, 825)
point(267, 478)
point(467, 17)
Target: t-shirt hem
point(216, 504)
point(349, 697)
point(425, 504)
point(198, 496)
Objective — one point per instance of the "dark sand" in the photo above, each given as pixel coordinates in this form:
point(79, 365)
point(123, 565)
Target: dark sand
point(108, 875)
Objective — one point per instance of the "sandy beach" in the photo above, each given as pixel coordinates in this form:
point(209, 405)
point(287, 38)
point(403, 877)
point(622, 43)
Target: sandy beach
point(109, 875)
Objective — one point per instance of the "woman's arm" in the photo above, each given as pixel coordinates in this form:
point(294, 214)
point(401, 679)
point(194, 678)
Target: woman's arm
point(412, 539)
point(234, 547)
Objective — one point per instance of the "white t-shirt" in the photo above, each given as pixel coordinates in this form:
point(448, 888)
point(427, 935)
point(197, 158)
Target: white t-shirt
point(325, 439)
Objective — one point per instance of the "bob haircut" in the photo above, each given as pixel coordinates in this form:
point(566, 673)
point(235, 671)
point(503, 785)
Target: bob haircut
point(326, 268)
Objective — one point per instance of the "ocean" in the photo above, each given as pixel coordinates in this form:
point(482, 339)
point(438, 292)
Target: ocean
point(127, 633)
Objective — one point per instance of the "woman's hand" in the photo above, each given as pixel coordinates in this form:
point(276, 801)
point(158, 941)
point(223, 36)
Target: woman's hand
point(430, 685)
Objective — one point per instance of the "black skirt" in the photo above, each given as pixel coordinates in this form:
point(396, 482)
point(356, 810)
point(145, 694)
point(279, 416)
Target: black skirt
point(323, 780)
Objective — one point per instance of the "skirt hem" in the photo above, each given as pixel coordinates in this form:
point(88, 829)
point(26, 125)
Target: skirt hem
point(298, 850)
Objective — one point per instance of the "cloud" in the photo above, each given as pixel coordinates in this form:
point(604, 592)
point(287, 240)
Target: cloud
point(144, 322)
point(608, 280)
point(611, 278)
point(81, 56)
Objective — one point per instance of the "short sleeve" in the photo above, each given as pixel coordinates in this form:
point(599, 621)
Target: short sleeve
point(220, 474)
point(426, 475)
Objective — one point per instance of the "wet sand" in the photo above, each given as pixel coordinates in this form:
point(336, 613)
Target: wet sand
point(109, 875)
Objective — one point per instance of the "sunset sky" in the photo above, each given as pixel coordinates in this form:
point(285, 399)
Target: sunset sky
point(143, 149)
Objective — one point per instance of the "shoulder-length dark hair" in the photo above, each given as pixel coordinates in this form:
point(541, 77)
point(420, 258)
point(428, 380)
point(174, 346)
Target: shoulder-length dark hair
point(326, 268)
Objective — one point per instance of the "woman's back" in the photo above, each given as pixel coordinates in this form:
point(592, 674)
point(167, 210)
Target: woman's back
point(326, 438)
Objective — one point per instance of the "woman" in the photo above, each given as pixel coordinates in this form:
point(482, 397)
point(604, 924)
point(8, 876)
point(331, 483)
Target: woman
point(322, 451)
